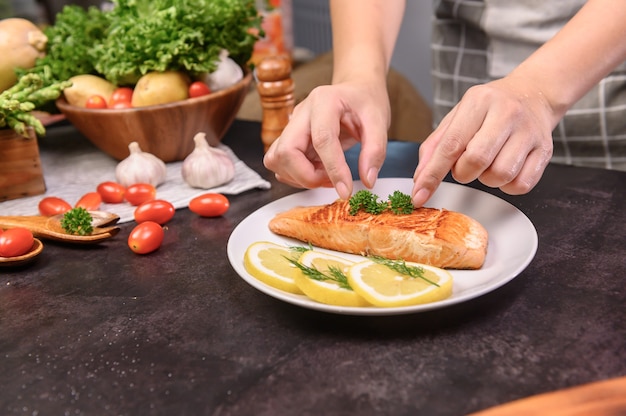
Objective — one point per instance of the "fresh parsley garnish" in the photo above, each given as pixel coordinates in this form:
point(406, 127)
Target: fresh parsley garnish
point(77, 221)
point(367, 201)
point(398, 203)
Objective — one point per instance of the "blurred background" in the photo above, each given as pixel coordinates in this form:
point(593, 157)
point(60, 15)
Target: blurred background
point(301, 28)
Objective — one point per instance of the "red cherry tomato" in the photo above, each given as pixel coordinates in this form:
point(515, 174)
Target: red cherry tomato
point(111, 192)
point(139, 193)
point(52, 205)
point(209, 205)
point(15, 242)
point(90, 201)
point(96, 101)
point(121, 104)
point(146, 237)
point(198, 89)
point(121, 95)
point(158, 210)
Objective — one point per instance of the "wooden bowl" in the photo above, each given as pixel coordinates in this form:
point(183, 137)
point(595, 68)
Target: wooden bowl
point(165, 130)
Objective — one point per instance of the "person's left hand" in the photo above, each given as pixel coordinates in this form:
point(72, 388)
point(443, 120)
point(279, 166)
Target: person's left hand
point(499, 133)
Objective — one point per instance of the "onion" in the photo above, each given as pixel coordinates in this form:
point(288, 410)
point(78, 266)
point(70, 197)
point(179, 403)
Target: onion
point(21, 43)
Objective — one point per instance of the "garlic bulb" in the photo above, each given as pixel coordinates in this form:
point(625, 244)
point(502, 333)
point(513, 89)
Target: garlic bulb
point(207, 167)
point(140, 167)
point(227, 73)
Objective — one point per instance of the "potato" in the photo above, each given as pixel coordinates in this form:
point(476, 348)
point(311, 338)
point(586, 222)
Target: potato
point(160, 88)
point(85, 86)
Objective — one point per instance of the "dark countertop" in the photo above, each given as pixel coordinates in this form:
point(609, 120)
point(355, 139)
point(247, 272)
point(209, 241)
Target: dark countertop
point(98, 330)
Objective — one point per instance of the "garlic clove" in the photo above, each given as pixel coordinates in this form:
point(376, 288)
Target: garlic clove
point(227, 73)
point(207, 166)
point(140, 167)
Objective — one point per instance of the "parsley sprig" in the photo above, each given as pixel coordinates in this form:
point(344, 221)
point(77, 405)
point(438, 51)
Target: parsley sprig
point(401, 267)
point(398, 203)
point(367, 201)
point(77, 221)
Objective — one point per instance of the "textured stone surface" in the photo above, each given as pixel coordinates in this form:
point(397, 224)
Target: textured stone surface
point(100, 330)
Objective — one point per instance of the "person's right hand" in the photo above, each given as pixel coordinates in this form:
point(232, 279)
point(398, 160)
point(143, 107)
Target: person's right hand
point(310, 151)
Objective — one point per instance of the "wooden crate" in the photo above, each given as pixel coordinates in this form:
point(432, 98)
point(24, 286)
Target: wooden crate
point(20, 167)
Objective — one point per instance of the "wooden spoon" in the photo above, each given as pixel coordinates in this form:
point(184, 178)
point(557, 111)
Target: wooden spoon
point(50, 227)
point(24, 258)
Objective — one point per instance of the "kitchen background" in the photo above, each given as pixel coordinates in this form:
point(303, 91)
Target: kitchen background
point(311, 32)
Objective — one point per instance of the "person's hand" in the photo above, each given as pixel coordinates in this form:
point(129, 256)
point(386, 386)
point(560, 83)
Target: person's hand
point(499, 133)
point(310, 151)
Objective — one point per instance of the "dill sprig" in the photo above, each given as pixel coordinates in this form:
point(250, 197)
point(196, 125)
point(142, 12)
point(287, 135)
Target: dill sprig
point(335, 274)
point(300, 249)
point(401, 267)
point(398, 203)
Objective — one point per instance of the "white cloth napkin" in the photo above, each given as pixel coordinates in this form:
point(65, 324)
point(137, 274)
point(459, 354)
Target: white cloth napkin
point(71, 174)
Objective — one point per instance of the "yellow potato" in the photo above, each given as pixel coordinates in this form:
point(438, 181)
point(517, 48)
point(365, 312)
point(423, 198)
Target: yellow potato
point(160, 88)
point(85, 86)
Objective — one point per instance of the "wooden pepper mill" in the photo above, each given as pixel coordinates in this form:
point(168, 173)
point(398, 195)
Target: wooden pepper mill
point(275, 87)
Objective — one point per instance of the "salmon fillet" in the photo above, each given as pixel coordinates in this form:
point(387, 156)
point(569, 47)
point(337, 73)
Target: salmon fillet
point(437, 237)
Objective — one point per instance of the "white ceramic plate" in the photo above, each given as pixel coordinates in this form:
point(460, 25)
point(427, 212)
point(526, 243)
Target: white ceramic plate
point(512, 242)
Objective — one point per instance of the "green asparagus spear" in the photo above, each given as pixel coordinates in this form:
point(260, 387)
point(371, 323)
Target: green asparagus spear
point(31, 91)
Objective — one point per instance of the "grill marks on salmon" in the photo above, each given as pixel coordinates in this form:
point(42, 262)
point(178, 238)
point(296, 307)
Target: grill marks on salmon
point(437, 237)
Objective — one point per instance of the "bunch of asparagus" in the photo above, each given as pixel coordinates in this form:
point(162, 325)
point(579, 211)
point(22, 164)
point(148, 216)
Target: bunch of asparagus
point(30, 92)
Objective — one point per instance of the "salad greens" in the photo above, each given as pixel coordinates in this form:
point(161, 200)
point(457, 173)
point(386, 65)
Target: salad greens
point(135, 37)
point(71, 40)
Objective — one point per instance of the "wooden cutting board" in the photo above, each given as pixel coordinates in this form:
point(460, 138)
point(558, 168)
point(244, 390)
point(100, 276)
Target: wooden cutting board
point(602, 398)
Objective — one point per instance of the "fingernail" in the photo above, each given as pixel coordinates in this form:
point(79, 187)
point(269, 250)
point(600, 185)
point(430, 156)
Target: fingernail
point(420, 197)
point(372, 174)
point(342, 190)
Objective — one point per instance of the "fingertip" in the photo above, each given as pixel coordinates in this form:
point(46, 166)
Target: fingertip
point(343, 190)
point(420, 197)
point(370, 179)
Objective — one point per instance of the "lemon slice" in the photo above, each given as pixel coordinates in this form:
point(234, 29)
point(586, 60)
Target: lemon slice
point(326, 280)
point(269, 263)
point(384, 286)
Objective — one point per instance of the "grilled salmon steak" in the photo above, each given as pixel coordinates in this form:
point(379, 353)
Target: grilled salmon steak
point(437, 237)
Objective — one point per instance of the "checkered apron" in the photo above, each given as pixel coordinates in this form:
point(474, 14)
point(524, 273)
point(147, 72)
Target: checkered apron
point(477, 41)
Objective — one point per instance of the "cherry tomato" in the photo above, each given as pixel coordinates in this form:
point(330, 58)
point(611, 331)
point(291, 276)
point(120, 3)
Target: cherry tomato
point(15, 242)
point(139, 193)
point(198, 89)
point(52, 205)
point(158, 210)
point(121, 95)
point(111, 192)
point(146, 237)
point(90, 201)
point(209, 205)
point(96, 101)
point(121, 104)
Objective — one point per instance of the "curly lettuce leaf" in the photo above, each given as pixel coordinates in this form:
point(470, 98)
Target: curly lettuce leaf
point(187, 35)
point(70, 43)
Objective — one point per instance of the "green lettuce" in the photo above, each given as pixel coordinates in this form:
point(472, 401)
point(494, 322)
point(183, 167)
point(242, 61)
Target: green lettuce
point(139, 36)
point(70, 43)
